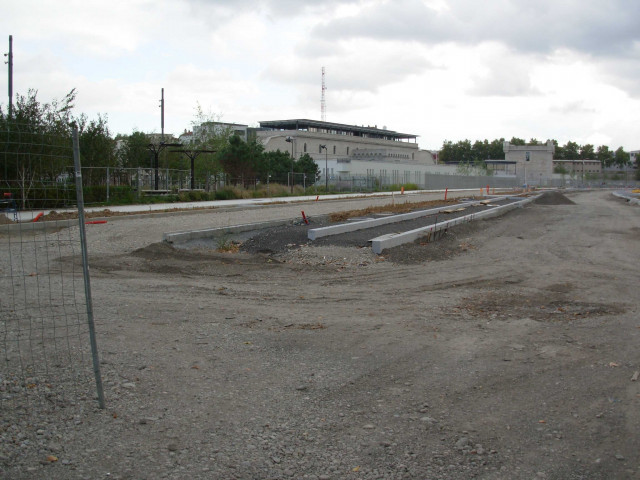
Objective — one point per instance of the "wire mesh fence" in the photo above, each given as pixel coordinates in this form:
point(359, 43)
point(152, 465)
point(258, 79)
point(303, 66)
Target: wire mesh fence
point(45, 308)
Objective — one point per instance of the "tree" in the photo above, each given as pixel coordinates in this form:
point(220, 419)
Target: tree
point(132, 150)
point(38, 138)
point(621, 158)
point(306, 165)
point(275, 166)
point(517, 141)
point(97, 148)
point(241, 159)
point(604, 155)
point(496, 149)
point(587, 152)
point(571, 151)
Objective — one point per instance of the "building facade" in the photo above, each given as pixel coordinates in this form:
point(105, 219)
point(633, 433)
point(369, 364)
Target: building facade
point(533, 163)
point(342, 150)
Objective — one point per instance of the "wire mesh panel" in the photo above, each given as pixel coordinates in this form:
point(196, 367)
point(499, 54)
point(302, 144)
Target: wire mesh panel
point(44, 329)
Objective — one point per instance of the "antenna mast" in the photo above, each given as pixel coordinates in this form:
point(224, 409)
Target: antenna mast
point(323, 103)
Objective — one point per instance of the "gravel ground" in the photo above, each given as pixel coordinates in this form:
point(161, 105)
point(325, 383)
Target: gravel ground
point(505, 350)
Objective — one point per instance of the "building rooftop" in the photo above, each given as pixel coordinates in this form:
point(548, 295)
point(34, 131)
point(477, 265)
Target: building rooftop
point(306, 125)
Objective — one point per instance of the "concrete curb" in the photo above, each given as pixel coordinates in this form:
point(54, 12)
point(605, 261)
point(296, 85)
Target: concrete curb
point(628, 197)
point(177, 238)
point(374, 222)
point(393, 240)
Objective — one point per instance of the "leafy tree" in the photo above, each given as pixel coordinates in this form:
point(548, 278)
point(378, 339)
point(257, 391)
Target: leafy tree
point(241, 159)
point(38, 138)
point(276, 165)
point(621, 158)
point(306, 165)
point(132, 150)
point(97, 148)
point(496, 149)
point(587, 152)
point(604, 155)
point(571, 151)
point(517, 141)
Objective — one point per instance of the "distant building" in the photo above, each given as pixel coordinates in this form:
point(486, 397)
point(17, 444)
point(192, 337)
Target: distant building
point(351, 150)
point(208, 129)
point(533, 164)
point(579, 167)
point(186, 138)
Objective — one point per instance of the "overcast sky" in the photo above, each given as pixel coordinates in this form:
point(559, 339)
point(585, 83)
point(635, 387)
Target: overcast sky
point(440, 69)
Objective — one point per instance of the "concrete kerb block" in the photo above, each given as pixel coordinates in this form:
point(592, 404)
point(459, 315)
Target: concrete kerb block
point(393, 240)
point(629, 198)
point(316, 233)
point(177, 238)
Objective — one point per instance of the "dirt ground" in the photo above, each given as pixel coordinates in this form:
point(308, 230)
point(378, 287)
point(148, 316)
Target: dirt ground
point(506, 350)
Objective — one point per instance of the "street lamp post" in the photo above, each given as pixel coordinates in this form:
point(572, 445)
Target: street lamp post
point(326, 169)
point(290, 140)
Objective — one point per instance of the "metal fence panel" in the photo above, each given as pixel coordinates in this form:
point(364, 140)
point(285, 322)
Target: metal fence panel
point(44, 329)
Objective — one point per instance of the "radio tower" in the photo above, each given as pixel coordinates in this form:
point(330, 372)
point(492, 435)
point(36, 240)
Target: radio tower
point(323, 103)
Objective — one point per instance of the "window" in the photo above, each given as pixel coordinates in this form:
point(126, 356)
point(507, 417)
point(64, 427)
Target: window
point(319, 149)
point(347, 150)
point(305, 148)
point(334, 149)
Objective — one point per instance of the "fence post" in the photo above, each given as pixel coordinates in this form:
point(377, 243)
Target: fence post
point(107, 184)
point(85, 269)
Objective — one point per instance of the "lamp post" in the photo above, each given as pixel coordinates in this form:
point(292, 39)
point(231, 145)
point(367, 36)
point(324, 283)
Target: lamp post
point(290, 140)
point(326, 169)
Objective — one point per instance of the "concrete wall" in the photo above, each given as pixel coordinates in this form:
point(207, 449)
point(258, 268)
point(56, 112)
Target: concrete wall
point(534, 163)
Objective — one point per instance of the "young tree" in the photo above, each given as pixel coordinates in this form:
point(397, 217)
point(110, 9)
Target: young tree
point(306, 165)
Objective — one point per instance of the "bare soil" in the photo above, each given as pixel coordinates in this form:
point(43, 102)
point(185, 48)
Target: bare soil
point(505, 350)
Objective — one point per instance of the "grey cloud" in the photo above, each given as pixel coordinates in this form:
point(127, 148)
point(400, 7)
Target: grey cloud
point(573, 107)
point(591, 26)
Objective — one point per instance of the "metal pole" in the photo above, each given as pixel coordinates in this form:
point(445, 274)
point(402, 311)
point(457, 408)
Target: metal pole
point(162, 115)
point(10, 63)
point(156, 165)
point(85, 269)
point(326, 170)
point(107, 184)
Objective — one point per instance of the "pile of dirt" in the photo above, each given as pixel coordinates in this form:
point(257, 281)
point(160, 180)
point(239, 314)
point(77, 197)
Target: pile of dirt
point(553, 198)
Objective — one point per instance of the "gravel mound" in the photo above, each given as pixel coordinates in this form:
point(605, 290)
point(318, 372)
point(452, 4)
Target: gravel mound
point(553, 198)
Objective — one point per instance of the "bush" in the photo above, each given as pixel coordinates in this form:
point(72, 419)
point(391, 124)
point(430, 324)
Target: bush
point(226, 193)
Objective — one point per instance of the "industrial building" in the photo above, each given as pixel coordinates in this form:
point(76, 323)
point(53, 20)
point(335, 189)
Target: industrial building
point(351, 151)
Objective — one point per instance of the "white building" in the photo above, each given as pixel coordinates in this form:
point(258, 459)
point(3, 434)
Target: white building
point(351, 150)
point(208, 129)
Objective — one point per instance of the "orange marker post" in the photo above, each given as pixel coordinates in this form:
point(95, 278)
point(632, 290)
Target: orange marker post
point(446, 190)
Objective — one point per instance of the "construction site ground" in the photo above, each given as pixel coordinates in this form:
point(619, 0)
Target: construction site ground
point(507, 349)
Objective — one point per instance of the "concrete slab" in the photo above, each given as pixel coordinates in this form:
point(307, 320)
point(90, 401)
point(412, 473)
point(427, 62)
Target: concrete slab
point(188, 236)
point(395, 239)
point(374, 222)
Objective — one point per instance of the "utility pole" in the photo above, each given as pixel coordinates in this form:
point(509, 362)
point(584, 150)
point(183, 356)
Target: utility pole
point(162, 115)
point(10, 63)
